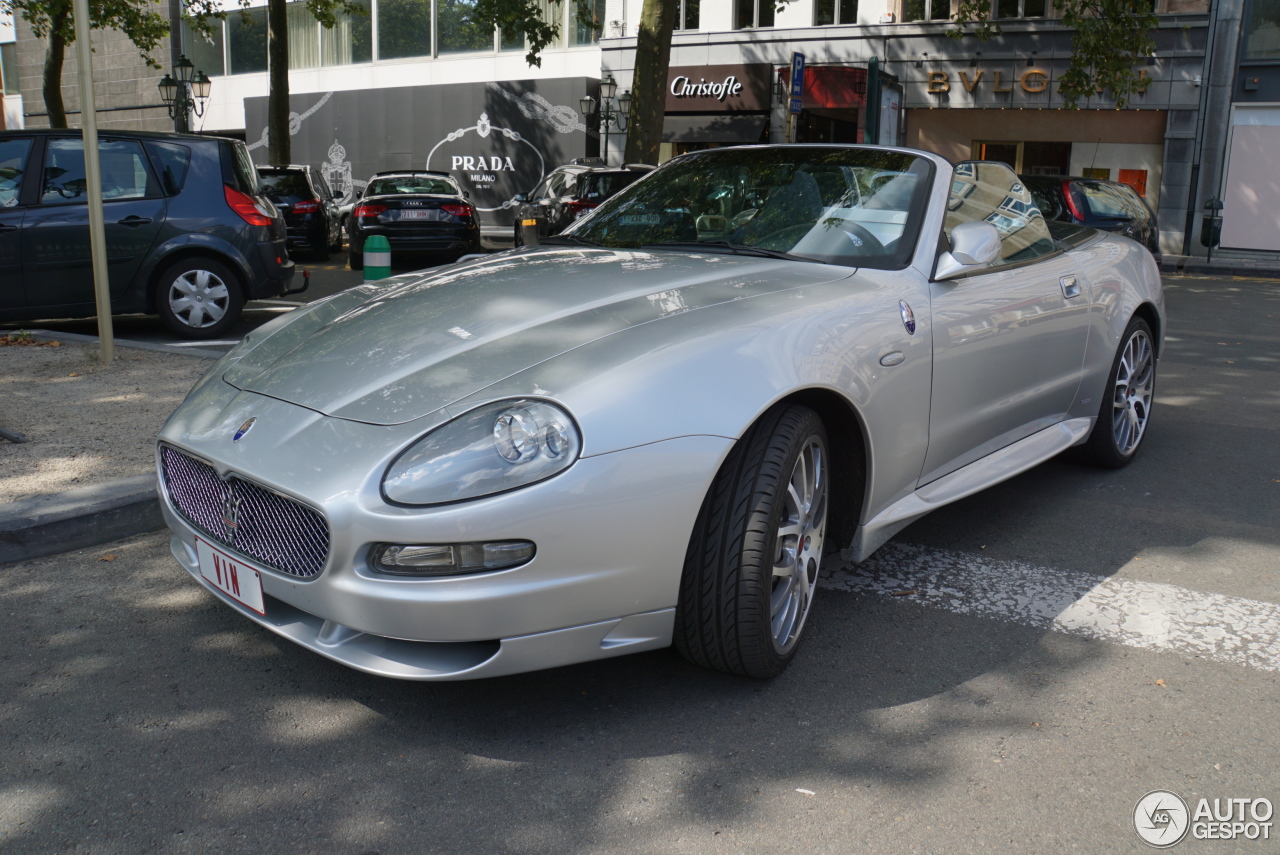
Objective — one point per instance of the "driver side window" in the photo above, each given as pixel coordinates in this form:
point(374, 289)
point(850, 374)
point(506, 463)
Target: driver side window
point(992, 192)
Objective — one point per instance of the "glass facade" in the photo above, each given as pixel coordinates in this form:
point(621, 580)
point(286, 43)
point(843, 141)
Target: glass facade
point(404, 31)
point(1262, 30)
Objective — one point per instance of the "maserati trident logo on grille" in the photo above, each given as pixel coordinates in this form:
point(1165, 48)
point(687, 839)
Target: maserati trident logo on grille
point(243, 429)
point(231, 514)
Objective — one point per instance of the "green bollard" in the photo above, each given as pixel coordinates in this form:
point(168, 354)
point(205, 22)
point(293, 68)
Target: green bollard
point(377, 258)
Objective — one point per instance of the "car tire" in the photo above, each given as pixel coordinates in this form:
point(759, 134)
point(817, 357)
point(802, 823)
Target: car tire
point(1125, 411)
point(753, 560)
point(320, 246)
point(355, 259)
point(199, 298)
point(336, 246)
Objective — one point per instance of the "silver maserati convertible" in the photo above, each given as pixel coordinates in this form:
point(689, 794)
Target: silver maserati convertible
point(651, 429)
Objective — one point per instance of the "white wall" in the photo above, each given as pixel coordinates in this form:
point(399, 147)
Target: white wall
point(1251, 196)
point(1117, 156)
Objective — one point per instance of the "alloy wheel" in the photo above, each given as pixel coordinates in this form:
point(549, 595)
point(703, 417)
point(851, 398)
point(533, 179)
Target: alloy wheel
point(1134, 387)
point(800, 533)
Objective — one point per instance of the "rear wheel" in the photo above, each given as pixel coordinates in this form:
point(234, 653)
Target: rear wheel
point(753, 561)
point(199, 298)
point(320, 246)
point(1126, 405)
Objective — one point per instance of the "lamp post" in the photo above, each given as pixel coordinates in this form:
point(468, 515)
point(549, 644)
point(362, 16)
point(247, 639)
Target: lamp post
point(611, 111)
point(184, 92)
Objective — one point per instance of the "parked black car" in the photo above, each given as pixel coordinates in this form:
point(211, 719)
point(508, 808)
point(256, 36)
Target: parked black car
point(189, 234)
point(1093, 202)
point(416, 211)
point(570, 191)
point(312, 220)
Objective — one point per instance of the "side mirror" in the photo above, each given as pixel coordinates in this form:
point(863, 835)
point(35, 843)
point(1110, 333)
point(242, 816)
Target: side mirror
point(520, 198)
point(973, 246)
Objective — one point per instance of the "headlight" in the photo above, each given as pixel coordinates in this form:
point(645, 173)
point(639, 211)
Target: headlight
point(492, 449)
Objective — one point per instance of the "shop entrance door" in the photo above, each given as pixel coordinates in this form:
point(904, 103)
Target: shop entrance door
point(1004, 152)
point(1027, 158)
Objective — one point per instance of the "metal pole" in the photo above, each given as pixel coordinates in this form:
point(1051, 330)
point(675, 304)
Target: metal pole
point(93, 177)
point(182, 108)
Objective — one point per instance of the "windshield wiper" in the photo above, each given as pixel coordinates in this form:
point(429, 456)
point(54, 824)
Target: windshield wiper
point(571, 240)
point(734, 248)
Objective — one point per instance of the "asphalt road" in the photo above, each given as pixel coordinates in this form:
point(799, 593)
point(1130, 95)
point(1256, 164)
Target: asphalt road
point(930, 709)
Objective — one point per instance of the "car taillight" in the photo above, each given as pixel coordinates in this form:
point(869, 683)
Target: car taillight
point(244, 205)
point(458, 210)
point(307, 206)
point(368, 210)
point(1069, 195)
point(580, 208)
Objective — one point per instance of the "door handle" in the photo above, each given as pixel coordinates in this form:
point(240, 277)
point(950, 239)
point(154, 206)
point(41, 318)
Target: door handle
point(133, 220)
point(5, 227)
point(1070, 287)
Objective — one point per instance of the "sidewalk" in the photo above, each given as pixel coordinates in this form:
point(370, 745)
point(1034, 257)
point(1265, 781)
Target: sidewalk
point(1261, 268)
point(87, 473)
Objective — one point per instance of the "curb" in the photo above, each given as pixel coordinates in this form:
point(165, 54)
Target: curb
point(1227, 267)
point(137, 345)
point(78, 518)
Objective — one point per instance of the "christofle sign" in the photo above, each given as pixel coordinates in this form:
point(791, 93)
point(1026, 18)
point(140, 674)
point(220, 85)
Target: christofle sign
point(716, 88)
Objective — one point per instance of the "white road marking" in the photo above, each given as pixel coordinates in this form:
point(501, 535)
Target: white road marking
point(1146, 615)
point(200, 343)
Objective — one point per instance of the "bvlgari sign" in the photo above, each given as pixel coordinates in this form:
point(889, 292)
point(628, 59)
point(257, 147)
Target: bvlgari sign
point(718, 88)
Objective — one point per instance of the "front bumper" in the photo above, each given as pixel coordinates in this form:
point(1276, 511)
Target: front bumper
point(611, 535)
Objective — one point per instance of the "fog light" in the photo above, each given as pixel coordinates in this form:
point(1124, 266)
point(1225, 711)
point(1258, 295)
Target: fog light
point(450, 559)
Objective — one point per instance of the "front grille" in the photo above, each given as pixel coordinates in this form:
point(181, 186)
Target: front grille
point(273, 530)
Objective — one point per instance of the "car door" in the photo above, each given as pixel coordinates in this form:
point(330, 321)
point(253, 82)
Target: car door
point(57, 260)
point(15, 158)
point(1008, 340)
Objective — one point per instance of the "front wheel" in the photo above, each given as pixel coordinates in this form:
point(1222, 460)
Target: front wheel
point(752, 567)
point(1126, 404)
point(355, 259)
point(199, 298)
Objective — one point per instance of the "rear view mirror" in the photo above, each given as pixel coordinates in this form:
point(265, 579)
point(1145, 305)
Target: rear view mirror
point(973, 246)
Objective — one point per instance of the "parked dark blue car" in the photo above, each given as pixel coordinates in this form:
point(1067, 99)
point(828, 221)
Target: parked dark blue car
point(190, 236)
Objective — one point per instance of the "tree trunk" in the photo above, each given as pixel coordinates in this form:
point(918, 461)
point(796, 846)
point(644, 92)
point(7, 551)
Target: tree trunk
point(278, 142)
point(53, 67)
point(649, 86)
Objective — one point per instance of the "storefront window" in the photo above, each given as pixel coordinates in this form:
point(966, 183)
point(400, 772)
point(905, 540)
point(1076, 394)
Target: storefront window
point(588, 22)
point(204, 54)
point(460, 30)
point(1020, 8)
point(827, 12)
point(752, 13)
point(404, 28)
point(687, 18)
point(1262, 39)
point(247, 41)
point(350, 40)
point(926, 10)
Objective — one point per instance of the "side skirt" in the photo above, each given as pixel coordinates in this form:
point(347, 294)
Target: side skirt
point(977, 476)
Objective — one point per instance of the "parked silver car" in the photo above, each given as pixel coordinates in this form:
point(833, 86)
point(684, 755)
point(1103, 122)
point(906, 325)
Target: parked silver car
point(653, 429)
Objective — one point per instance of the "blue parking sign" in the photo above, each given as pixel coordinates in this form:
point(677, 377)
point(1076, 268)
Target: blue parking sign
point(797, 77)
point(796, 105)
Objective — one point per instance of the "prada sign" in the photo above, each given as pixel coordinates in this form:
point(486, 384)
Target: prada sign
point(718, 88)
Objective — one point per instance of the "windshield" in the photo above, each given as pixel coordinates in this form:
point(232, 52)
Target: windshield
point(395, 184)
point(842, 205)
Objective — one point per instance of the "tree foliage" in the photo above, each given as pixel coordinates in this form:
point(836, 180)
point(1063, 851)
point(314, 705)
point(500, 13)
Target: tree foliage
point(1111, 38)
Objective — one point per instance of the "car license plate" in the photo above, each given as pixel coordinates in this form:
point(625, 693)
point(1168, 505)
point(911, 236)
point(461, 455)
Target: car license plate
point(429, 214)
point(640, 220)
point(232, 577)
point(528, 222)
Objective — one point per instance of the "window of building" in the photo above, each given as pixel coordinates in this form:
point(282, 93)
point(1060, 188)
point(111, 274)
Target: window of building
point(205, 53)
point(351, 39)
point(404, 28)
point(458, 29)
point(1262, 30)
point(587, 23)
point(9, 67)
point(687, 16)
point(247, 41)
point(304, 36)
point(828, 12)
point(926, 10)
point(752, 13)
point(1021, 8)
point(548, 10)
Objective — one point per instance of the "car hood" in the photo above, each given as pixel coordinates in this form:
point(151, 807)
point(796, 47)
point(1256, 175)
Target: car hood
point(388, 353)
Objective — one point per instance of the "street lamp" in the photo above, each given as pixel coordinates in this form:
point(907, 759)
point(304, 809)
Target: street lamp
point(185, 91)
point(611, 111)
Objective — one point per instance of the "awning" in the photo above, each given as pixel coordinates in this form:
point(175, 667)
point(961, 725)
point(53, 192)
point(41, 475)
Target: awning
point(714, 127)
